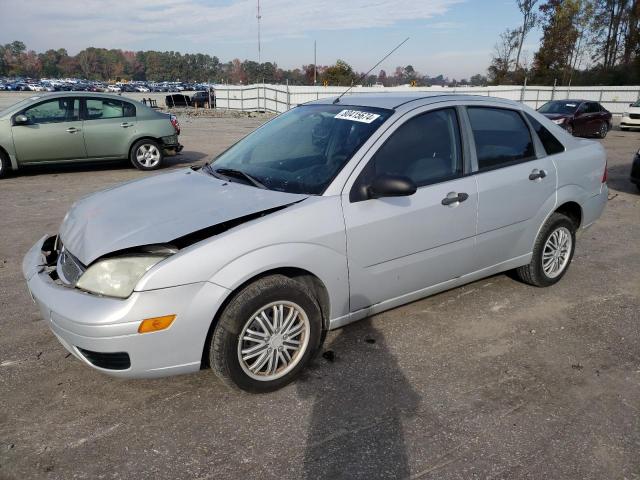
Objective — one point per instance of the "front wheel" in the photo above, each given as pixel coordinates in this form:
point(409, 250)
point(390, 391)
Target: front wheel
point(146, 154)
point(552, 252)
point(5, 165)
point(266, 335)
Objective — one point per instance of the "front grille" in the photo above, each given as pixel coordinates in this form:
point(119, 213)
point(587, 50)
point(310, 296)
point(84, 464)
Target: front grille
point(109, 361)
point(69, 268)
point(635, 116)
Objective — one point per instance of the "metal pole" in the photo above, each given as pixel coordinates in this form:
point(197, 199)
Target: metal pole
point(288, 96)
point(315, 61)
point(258, 16)
point(242, 99)
point(553, 92)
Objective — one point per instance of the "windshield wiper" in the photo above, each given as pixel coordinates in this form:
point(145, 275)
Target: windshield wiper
point(231, 172)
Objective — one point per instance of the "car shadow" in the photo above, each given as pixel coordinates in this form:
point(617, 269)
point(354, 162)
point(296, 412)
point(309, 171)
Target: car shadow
point(356, 425)
point(182, 159)
point(618, 178)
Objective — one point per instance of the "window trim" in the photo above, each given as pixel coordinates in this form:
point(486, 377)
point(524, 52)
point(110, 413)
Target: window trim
point(526, 116)
point(354, 194)
point(47, 100)
point(532, 135)
point(84, 111)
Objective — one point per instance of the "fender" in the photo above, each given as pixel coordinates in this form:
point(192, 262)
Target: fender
point(326, 264)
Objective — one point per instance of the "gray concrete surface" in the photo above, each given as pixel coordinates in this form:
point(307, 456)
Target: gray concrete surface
point(492, 380)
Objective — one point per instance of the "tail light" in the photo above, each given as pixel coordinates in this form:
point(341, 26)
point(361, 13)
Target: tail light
point(175, 123)
point(604, 175)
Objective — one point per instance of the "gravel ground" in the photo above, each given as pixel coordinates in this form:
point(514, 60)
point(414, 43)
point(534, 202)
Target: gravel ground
point(492, 380)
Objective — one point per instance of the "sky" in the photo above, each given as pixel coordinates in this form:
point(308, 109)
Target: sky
point(450, 37)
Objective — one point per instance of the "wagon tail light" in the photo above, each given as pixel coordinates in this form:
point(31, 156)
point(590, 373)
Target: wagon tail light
point(175, 123)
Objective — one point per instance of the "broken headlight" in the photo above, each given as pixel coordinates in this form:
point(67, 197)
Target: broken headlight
point(117, 276)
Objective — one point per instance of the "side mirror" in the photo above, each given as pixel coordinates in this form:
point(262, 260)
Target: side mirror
point(391, 186)
point(21, 120)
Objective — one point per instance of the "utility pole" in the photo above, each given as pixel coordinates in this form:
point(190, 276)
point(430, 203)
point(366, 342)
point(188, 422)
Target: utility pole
point(315, 61)
point(258, 16)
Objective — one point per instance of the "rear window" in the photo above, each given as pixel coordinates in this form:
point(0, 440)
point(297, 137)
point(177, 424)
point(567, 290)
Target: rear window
point(502, 137)
point(550, 143)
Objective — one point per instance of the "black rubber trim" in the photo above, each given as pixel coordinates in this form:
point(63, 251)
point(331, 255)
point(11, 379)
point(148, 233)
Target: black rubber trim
point(108, 361)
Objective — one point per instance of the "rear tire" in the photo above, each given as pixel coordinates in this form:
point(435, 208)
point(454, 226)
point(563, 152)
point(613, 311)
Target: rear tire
point(274, 320)
point(146, 154)
point(5, 164)
point(552, 252)
point(604, 129)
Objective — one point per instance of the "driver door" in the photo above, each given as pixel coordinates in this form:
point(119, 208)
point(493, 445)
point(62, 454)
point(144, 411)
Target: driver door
point(53, 132)
point(400, 245)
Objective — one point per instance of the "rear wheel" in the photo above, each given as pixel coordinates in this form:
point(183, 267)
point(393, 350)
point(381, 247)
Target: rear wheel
point(266, 335)
point(146, 154)
point(552, 252)
point(603, 130)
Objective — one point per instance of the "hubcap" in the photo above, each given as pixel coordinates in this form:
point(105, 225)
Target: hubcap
point(603, 130)
point(273, 340)
point(556, 252)
point(148, 155)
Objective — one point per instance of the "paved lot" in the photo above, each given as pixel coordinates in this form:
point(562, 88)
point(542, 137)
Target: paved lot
point(492, 380)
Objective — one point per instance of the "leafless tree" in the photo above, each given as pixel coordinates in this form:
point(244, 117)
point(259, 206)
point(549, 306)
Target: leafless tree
point(529, 20)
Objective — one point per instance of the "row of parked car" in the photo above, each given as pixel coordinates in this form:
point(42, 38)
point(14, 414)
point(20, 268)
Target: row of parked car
point(74, 85)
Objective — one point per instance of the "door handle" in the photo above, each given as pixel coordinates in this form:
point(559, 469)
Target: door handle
point(537, 174)
point(452, 199)
point(126, 125)
point(73, 129)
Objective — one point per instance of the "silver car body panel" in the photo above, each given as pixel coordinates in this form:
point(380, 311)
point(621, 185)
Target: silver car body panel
point(370, 256)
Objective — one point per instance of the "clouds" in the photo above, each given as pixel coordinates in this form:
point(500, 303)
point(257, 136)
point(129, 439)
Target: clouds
point(129, 23)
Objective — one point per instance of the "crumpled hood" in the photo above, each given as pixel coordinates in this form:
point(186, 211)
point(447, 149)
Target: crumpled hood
point(159, 209)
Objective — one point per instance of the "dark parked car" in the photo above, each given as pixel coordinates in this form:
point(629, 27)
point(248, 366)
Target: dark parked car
point(635, 170)
point(201, 99)
point(581, 118)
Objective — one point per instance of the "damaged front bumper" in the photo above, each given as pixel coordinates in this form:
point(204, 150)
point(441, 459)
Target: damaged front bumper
point(102, 332)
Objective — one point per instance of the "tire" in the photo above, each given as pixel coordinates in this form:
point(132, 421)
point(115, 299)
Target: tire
point(146, 154)
point(535, 273)
point(604, 129)
point(239, 322)
point(5, 164)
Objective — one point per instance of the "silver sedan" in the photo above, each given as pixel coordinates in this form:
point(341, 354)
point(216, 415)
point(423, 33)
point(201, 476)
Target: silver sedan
point(331, 212)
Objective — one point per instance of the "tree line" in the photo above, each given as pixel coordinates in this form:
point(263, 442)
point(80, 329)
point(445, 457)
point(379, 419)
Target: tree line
point(584, 42)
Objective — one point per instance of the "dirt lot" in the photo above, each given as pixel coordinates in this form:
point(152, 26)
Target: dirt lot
point(493, 380)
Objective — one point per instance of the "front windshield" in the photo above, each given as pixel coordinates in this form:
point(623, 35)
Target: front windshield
point(302, 150)
point(559, 107)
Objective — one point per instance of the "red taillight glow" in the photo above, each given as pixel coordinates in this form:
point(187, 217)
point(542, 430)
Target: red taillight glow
point(604, 175)
point(175, 123)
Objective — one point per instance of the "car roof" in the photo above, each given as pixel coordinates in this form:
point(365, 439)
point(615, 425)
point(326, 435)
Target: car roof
point(573, 100)
point(40, 96)
point(395, 100)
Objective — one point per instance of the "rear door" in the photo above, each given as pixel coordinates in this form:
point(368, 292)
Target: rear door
point(109, 127)
point(400, 245)
point(54, 132)
point(516, 184)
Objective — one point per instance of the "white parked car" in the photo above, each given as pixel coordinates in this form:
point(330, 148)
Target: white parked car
point(34, 87)
point(113, 88)
point(631, 116)
point(142, 89)
point(329, 213)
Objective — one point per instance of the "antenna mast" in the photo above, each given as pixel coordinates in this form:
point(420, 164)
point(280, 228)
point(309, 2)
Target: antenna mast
point(258, 16)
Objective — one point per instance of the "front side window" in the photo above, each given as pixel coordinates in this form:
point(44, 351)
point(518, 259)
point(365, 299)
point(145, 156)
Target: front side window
point(425, 149)
point(102, 108)
point(58, 110)
point(502, 137)
point(550, 143)
point(302, 150)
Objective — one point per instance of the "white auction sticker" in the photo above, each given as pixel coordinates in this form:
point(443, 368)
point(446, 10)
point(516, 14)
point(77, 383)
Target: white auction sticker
point(357, 116)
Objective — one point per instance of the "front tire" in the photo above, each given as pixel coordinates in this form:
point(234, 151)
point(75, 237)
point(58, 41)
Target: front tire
point(552, 252)
point(146, 154)
point(266, 335)
point(5, 165)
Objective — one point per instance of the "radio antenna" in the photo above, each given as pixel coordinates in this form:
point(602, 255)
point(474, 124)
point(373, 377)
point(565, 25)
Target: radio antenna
point(337, 100)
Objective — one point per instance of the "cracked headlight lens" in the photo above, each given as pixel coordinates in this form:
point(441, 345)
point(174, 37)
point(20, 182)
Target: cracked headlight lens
point(117, 277)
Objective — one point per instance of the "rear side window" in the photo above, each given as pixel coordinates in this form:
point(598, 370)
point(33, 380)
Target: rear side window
point(502, 138)
point(550, 143)
point(107, 108)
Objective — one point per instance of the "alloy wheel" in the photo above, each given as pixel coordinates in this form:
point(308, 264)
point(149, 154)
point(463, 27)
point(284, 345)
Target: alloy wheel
point(273, 340)
point(556, 252)
point(148, 155)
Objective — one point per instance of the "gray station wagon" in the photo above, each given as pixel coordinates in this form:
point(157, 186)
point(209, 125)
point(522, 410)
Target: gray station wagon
point(75, 126)
point(331, 212)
